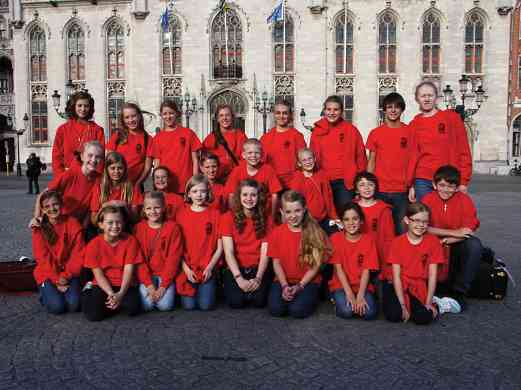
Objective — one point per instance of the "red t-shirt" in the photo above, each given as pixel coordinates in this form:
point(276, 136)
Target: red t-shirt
point(265, 176)
point(284, 245)
point(220, 202)
point(115, 194)
point(392, 149)
point(70, 138)
point(76, 190)
point(174, 150)
point(112, 259)
point(414, 260)
point(317, 191)
point(246, 245)
point(280, 151)
point(455, 213)
point(174, 203)
point(380, 226)
point(436, 141)
point(235, 139)
point(339, 150)
point(65, 257)
point(134, 152)
point(201, 234)
point(355, 257)
point(162, 250)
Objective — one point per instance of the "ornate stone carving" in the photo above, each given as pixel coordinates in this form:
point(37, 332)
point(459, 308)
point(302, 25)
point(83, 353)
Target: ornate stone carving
point(172, 86)
point(387, 84)
point(39, 91)
point(116, 88)
point(284, 85)
point(344, 85)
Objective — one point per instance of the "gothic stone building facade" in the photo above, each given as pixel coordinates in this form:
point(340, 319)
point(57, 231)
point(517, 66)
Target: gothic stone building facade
point(360, 49)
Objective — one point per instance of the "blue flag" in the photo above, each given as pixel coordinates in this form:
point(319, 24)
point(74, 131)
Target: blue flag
point(165, 19)
point(277, 14)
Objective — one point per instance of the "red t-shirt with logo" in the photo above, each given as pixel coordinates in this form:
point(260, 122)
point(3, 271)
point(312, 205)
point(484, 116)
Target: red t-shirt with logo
point(280, 151)
point(134, 152)
point(115, 194)
point(235, 139)
point(284, 245)
point(265, 176)
point(355, 257)
point(317, 191)
point(392, 149)
point(174, 150)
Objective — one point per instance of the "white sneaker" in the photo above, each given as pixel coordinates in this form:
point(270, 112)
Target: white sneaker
point(447, 305)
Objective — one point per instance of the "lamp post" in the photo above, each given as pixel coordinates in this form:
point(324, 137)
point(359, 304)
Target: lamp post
point(264, 105)
point(303, 120)
point(69, 87)
point(19, 132)
point(190, 107)
point(475, 95)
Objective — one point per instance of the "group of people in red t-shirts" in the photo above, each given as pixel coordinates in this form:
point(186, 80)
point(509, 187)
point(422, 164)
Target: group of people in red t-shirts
point(271, 221)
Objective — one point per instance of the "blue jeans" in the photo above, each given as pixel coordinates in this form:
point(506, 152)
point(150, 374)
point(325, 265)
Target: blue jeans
point(343, 308)
point(166, 303)
point(341, 195)
point(301, 307)
point(204, 298)
point(422, 187)
point(57, 302)
point(465, 257)
point(399, 202)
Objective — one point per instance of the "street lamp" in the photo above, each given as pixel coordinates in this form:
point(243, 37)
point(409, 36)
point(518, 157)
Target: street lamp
point(264, 106)
point(19, 132)
point(303, 120)
point(69, 87)
point(190, 105)
point(476, 95)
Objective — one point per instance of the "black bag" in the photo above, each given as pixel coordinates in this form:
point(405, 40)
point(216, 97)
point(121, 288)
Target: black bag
point(492, 279)
point(17, 275)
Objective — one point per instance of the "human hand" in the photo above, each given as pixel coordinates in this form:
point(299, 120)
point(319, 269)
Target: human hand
point(361, 305)
point(412, 195)
point(405, 314)
point(35, 222)
point(243, 284)
point(351, 299)
point(159, 293)
point(287, 293)
point(151, 292)
point(433, 309)
point(190, 275)
point(207, 273)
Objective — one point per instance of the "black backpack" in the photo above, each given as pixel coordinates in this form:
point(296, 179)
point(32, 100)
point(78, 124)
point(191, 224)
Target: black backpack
point(492, 279)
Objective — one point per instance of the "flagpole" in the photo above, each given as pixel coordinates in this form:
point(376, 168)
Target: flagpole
point(226, 39)
point(345, 37)
point(284, 35)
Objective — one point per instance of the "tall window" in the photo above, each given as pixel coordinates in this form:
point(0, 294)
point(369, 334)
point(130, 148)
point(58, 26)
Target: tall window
point(3, 29)
point(38, 71)
point(387, 43)
point(284, 59)
point(171, 47)
point(76, 53)
point(226, 45)
point(38, 55)
point(516, 137)
point(519, 72)
point(474, 43)
point(116, 84)
point(431, 44)
point(344, 64)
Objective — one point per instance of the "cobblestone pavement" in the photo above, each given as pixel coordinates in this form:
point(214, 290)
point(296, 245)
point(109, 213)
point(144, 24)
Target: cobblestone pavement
point(479, 349)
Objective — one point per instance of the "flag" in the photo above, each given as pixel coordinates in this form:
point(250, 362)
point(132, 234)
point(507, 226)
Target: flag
point(277, 14)
point(222, 4)
point(165, 19)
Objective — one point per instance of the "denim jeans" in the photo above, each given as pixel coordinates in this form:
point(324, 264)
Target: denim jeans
point(422, 187)
point(465, 257)
point(301, 307)
point(343, 308)
point(166, 303)
point(57, 302)
point(399, 202)
point(93, 301)
point(204, 298)
point(341, 195)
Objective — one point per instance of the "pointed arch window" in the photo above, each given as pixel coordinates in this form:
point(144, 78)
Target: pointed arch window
point(387, 43)
point(431, 44)
point(284, 45)
point(116, 83)
point(344, 44)
point(474, 43)
point(115, 52)
point(226, 45)
point(171, 49)
point(76, 53)
point(38, 55)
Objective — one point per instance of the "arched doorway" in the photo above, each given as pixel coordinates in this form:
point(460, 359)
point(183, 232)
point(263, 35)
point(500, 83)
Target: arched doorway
point(233, 99)
point(6, 76)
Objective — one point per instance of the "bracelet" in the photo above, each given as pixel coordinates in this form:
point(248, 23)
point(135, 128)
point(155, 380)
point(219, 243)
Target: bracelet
point(237, 276)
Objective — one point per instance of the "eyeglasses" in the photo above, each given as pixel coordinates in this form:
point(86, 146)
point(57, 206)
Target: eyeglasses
point(419, 221)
